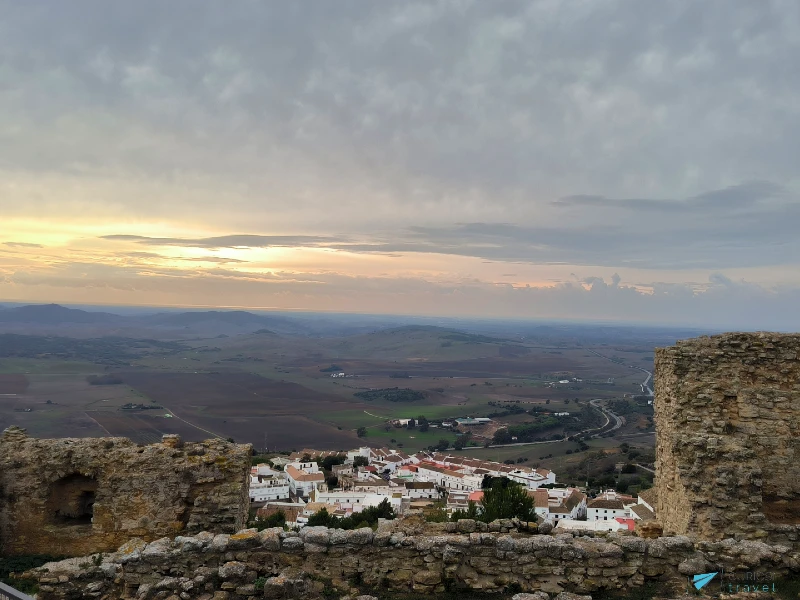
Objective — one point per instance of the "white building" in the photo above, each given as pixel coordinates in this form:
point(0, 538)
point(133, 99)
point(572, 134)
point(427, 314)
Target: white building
point(572, 525)
point(448, 478)
point(304, 478)
point(608, 506)
point(530, 478)
point(364, 452)
point(354, 502)
point(265, 488)
point(417, 490)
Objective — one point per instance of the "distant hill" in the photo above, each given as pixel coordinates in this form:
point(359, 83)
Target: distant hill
point(238, 321)
point(447, 333)
point(201, 322)
point(55, 314)
point(239, 318)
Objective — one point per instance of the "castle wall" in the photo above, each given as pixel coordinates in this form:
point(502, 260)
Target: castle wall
point(727, 412)
point(71, 497)
point(320, 562)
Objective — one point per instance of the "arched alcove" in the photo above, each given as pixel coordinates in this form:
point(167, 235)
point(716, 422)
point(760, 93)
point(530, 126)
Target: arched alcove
point(71, 500)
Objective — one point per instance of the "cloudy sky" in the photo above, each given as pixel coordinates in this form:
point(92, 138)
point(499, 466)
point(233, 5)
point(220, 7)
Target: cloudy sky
point(583, 159)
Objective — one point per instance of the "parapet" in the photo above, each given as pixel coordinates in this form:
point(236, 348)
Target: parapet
point(321, 563)
point(75, 496)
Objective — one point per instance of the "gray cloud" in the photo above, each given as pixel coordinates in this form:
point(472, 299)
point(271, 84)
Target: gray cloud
point(749, 225)
point(22, 245)
point(227, 241)
point(518, 132)
point(498, 107)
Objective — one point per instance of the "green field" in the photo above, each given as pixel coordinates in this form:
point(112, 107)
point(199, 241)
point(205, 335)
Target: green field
point(412, 439)
point(40, 365)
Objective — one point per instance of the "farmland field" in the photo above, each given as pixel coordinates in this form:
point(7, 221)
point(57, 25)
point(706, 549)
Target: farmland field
point(13, 384)
point(276, 390)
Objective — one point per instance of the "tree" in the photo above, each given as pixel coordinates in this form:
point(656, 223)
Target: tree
point(328, 462)
point(470, 513)
point(443, 445)
point(547, 401)
point(458, 444)
point(360, 461)
point(629, 468)
point(622, 486)
point(321, 517)
point(506, 500)
point(361, 431)
point(276, 519)
point(411, 423)
point(624, 447)
point(422, 423)
point(332, 481)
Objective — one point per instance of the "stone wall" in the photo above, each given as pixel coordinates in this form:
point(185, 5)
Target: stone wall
point(332, 563)
point(71, 497)
point(727, 410)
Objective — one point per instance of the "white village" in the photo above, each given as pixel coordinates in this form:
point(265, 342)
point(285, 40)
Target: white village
point(296, 487)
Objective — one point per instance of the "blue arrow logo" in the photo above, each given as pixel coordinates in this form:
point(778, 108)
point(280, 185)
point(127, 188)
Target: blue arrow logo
point(701, 580)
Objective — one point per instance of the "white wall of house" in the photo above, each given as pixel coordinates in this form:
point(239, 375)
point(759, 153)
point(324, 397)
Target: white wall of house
point(606, 514)
point(416, 494)
point(450, 481)
point(268, 489)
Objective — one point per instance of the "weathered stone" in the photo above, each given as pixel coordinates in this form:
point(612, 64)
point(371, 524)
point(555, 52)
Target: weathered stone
point(315, 535)
point(479, 561)
point(144, 492)
point(428, 577)
point(726, 409)
point(534, 596)
point(466, 525)
point(233, 569)
point(360, 537)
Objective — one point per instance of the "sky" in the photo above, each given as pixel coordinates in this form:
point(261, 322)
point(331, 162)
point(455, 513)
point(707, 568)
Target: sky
point(574, 159)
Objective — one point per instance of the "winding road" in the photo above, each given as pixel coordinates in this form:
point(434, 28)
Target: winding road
point(646, 389)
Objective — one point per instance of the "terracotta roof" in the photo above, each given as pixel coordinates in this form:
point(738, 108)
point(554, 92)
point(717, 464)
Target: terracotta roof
point(540, 499)
point(290, 512)
point(442, 470)
point(476, 496)
point(313, 507)
point(419, 485)
point(574, 499)
point(314, 454)
point(629, 523)
point(371, 483)
point(644, 513)
point(560, 509)
point(650, 496)
point(299, 475)
point(611, 504)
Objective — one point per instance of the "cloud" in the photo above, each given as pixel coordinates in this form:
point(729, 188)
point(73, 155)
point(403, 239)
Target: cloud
point(717, 303)
point(750, 225)
point(515, 132)
point(22, 245)
point(358, 114)
point(227, 241)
